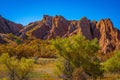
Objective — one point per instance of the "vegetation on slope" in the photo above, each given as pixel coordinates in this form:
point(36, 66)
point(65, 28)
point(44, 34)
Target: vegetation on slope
point(76, 58)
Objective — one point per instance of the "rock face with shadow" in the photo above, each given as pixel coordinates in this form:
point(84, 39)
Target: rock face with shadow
point(7, 26)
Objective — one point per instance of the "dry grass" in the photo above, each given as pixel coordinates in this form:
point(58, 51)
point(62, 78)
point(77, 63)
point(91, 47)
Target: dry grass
point(44, 70)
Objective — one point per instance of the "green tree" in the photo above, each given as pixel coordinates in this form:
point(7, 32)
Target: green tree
point(113, 64)
point(24, 68)
point(16, 69)
point(78, 52)
point(10, 64)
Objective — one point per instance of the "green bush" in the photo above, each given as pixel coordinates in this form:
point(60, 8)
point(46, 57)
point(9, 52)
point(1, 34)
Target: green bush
point(113, 64)
point(16, 69)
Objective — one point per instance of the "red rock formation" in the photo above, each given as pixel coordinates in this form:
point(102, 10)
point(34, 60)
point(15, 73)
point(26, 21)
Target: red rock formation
point(39, 29)
point(7, 26)
point(59, 27)
point(51, 27)
point(84, 26)
point(109, 36)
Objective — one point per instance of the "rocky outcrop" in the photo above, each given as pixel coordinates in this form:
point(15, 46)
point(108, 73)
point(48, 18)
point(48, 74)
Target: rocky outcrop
point(109, 37)
point(39, 29)
point(85, 28)
point(59, 27)
point(51, 27)
point(7, 26)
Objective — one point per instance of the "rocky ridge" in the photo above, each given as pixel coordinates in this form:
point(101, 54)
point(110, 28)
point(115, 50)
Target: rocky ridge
point(7, 26)
point(51, 27)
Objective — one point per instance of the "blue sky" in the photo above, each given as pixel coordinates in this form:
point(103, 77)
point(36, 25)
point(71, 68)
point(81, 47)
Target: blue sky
point(25, 11)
